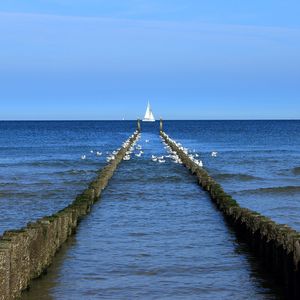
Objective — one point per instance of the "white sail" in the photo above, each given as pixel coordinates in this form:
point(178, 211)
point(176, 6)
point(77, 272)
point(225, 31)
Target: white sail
point(149, 117)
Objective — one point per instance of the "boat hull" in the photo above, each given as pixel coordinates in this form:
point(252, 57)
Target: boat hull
point(148, 120)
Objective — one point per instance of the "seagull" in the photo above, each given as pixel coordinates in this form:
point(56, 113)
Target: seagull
point(214, 154)
point(109, 158)
point(99, 153)
point(138, 154)
point(200, 164)
point(147, 141)
point(126, 157)
point(178, 161)
point(161, 161)
point(92, 151)
point(83, 156)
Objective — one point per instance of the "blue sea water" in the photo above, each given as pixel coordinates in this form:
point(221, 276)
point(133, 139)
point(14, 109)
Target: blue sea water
point(258, 162)
point(155, 234)
point(41, 170)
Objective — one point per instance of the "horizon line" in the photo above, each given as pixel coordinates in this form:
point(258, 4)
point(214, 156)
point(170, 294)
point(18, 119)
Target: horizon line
point(134, 120)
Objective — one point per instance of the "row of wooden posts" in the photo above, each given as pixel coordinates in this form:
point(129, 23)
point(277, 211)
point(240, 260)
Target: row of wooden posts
point(140, 128)
point(26, 253)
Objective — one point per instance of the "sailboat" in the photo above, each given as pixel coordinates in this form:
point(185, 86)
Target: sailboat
point(149, 117)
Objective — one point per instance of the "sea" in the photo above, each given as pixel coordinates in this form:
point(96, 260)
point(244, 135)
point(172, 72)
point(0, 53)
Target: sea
point(155, 234)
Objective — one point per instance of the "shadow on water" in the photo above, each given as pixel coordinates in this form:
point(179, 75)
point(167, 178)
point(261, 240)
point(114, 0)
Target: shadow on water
point(41, 288)
point(267, 280)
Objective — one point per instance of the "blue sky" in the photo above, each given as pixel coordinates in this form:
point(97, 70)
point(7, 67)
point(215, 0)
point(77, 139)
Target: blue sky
point(94, 59)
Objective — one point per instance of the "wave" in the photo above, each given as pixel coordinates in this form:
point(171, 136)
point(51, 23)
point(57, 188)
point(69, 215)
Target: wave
point(50, 163)
point(273, 190)
point(296, 171)
point(20, 195)
point(75, 172)
point(35, 195)
point(166, 179)
point(143, 179)
point(237, 176)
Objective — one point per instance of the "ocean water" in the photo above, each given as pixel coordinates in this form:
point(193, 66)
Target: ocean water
point(155, 234)
point(41, 170)
point(258, 162)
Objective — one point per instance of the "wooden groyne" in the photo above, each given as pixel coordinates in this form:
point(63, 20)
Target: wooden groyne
point(277, 245)
point(26, 253)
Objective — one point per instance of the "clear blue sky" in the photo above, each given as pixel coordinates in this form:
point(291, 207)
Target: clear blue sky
point(96, 59)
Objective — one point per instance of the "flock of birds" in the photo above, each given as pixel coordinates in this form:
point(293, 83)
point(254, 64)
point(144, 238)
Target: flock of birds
point(92, 152)
point(112, 156)
point(133, 148)
point(173, 155)
point(125, 145)
point(137, 151)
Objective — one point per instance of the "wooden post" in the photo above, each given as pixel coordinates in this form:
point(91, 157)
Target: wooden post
point(139, 125)
point(161, 125)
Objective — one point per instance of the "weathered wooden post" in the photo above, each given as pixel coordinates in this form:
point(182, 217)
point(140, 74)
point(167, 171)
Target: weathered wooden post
point(139, 125)
point(161, 125)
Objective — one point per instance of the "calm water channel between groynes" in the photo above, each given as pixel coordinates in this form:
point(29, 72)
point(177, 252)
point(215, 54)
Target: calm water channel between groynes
point(154, 235)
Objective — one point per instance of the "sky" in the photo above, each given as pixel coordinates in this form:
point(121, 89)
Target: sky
point(193, 59)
